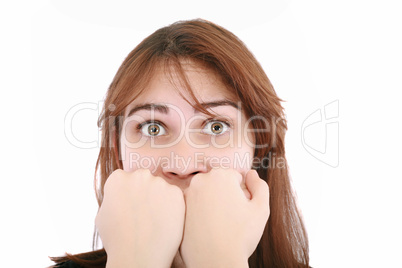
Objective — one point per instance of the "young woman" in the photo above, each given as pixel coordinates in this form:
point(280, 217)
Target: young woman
point(192, 165)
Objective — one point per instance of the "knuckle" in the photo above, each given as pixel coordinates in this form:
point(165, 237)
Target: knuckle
point(143, 172)
point(196, 179)
point(230, 175)
point(117, 173)
point(200, 181)
point(111, 180)
point(160, 182)
point(140, 176)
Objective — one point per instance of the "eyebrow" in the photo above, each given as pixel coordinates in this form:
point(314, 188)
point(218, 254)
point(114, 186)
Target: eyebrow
point(213, 104)
point(164, 109)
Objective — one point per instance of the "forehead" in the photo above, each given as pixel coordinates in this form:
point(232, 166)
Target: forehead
point(170, 86)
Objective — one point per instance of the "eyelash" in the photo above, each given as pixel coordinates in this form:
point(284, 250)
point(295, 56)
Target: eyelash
point(217, 120)
point(150, 122)
point(208, 121)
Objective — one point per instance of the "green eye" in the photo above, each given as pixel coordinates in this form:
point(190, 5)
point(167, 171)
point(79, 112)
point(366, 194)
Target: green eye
point(152, 129)
point(215, 128)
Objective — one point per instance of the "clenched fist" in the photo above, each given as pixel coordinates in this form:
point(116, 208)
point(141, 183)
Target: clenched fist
point(223, 226)
point(140, 220)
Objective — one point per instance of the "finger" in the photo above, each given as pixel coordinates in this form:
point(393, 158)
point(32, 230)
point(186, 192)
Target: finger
point(246, 191)
point(256, 186)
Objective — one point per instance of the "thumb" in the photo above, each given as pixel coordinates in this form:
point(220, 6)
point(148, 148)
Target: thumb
point(256, 186)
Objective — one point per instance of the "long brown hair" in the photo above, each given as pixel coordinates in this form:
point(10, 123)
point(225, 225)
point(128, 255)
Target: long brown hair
point(284, 242)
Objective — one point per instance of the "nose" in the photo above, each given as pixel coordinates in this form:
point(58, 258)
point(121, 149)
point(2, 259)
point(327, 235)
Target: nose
point(185, 162)
point(182, 169)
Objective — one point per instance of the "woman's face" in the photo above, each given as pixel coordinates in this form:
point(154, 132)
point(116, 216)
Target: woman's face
point(162, 132)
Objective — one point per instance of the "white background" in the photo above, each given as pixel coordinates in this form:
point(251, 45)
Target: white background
point(55, 55)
